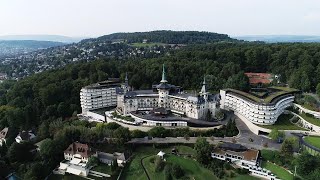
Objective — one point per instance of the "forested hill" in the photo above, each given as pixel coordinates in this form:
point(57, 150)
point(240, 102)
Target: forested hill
point(118, 45)
point(168, 37)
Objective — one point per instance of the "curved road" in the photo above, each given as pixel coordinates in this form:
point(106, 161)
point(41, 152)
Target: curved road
point(243, 138)
point(145, 170)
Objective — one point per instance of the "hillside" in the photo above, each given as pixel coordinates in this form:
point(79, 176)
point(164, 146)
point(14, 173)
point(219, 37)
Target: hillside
point(39, 37)
point(168, 37)
point(16, 47)
point(118, 45)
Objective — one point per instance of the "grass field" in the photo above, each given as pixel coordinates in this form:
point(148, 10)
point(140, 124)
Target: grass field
point(283, 123)
point(103, 168)
point(134, 171)
point(147, 44)
point(245, 177)
point(277, 170)
point(192, 169)
point(313, 140)
point(310, 119)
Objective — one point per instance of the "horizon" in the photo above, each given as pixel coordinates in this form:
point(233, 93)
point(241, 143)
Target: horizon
point(97, 18)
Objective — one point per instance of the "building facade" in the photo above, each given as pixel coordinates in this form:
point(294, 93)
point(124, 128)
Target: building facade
point(263, 113)
point(242, 157)
point(170, 97)
point(99, 95)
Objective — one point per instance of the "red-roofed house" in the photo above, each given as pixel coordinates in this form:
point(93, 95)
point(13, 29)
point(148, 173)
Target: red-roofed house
point(79, 151)
point(260, 78)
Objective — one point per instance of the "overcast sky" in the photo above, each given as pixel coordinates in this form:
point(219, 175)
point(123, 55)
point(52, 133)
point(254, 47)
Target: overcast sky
point(92, 18)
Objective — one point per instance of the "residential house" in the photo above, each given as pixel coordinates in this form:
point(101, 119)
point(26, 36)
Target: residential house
point(25, 136)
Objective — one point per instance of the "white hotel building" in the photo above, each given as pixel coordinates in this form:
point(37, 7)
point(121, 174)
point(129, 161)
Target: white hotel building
point(99, 95)
point(258, 112)
point(167, 97)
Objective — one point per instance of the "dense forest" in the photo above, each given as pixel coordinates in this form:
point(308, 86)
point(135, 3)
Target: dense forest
point(55, 93)
point(168, 37)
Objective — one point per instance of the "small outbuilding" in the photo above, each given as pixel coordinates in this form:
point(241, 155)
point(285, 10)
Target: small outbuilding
point(161, 154)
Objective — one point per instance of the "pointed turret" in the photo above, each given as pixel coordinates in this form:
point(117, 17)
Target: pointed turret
point(126, 81)
point(163, 80)
point(204, 87)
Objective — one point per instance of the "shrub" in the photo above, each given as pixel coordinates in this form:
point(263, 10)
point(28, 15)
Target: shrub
point(232, 174)
point(242, 171)
point(152, 159)
point(177, 171)
point(227, 166)
point(138, 134)
point(158, 164)
point(168, 172)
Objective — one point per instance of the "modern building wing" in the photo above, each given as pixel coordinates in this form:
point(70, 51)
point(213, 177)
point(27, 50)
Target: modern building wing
point(100, 95)
point(259, 110)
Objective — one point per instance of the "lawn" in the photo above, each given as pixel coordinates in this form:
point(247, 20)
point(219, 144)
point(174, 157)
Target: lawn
point(103, 168)
point(134, 171)
point(283, 123)
point(245, 177)
point(310, 119)
point(313, 140)
point(277, 170)
point(192, 169)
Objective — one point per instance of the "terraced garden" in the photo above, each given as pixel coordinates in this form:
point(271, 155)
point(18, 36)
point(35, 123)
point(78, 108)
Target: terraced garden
point(283, 123)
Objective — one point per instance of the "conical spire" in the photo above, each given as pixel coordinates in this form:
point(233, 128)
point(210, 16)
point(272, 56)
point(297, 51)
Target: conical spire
point(204, 80)
point(204, 88)
point(163, 80)
point(126, 79)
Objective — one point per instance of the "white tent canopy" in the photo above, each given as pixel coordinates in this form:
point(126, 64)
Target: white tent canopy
point(161, 154)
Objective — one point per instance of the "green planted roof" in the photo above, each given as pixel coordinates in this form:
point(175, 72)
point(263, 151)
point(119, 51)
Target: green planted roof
point(279, 92)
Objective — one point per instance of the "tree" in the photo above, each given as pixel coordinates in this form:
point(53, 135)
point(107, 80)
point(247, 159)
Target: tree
point(62, 109)
point(275, 134)
point(307, 164)
point(238, 81)
point(43, 130)
point(93, 161)
point(158, 164)
point(158, 132)
point(47, 148)
point(168, 172)
point(122, 134)
point(287, 147)
point(318, 89)
point(20, 152)
point(177, 171)
point(3, 149)
point(138, 133)
point(203, 150)
point(315, 175)
point(36, 171)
